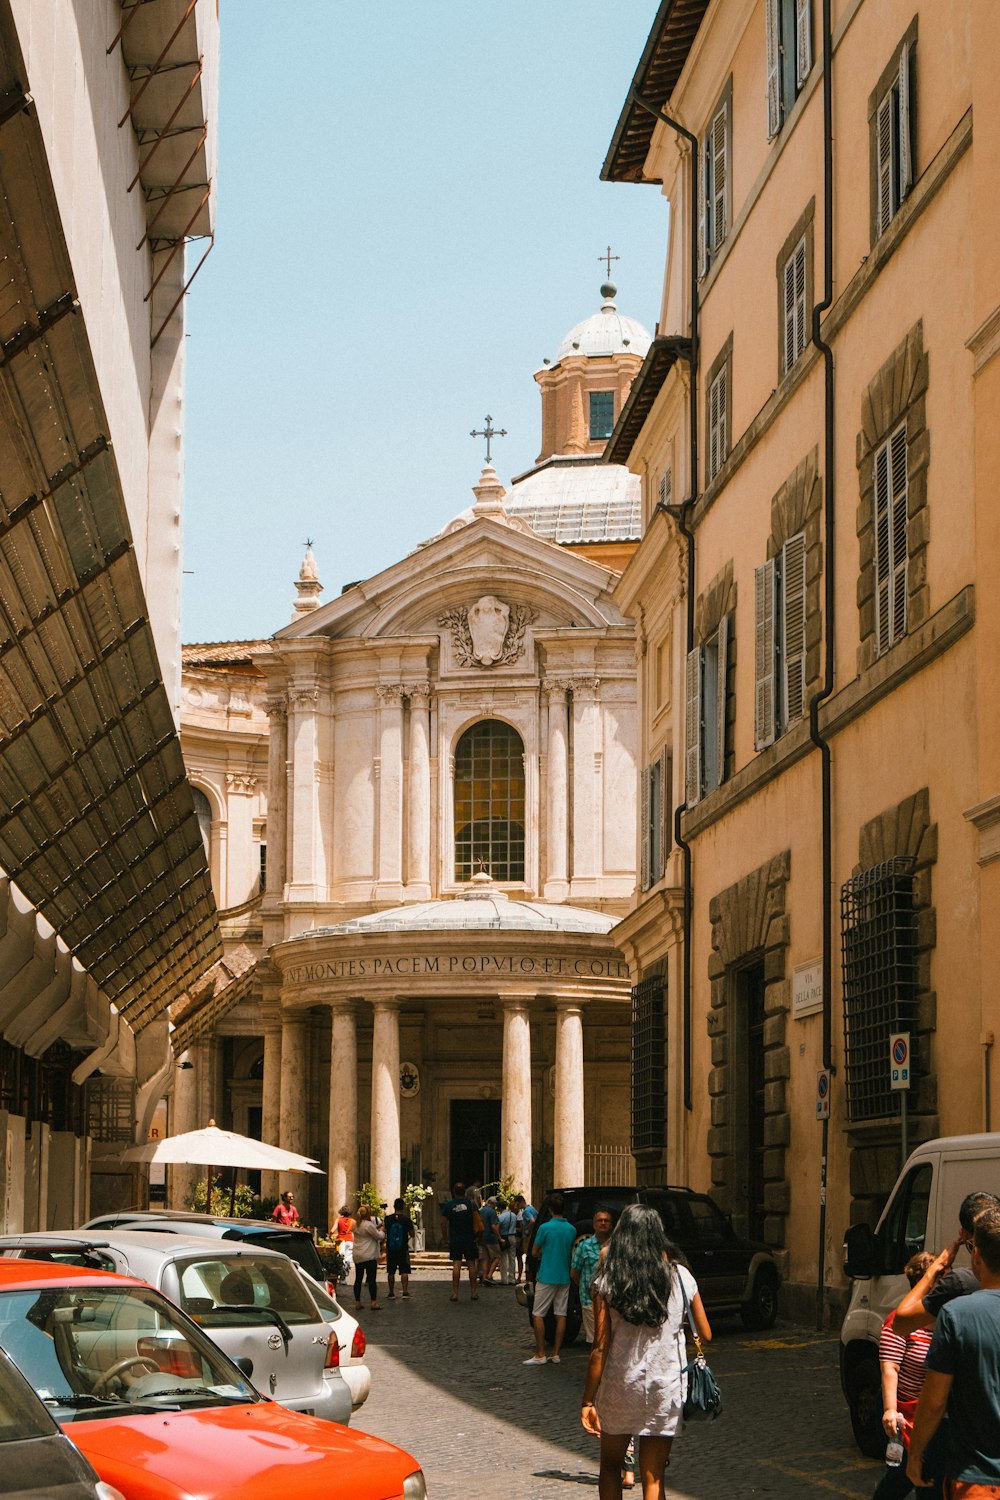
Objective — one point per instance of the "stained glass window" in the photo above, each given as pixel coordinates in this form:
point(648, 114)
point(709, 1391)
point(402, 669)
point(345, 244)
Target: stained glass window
point(489, 802)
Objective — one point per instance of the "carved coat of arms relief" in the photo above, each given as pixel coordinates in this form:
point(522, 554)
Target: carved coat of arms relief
point(488, 633)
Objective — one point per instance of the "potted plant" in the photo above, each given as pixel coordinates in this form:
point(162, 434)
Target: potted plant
point(413, 1196)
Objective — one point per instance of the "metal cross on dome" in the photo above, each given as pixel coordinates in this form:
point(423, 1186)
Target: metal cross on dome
point(609, 258)
point(489, 432)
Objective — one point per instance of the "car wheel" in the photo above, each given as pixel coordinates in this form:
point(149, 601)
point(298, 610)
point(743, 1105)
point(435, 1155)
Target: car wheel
point(762, 1308)
point(864, 1399)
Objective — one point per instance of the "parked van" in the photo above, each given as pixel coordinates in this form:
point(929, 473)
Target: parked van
point(921, 1214)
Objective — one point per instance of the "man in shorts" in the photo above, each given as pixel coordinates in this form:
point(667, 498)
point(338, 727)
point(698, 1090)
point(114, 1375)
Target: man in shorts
point(585, 1257)
point(458, 1217)
point(963, 1378)
point(399, 1231)
point(552, 1248)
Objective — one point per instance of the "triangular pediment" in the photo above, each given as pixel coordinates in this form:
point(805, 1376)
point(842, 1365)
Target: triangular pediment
point(454, 570)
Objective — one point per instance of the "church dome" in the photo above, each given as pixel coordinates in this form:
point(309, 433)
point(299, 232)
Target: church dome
point(477, 910)
point(606, 332)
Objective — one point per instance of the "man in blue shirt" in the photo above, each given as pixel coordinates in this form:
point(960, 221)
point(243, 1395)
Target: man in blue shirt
point(584, 1264)
point(458, 1226)
point(552, 1248)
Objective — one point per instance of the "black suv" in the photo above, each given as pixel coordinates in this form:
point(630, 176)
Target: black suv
point(733, 1274)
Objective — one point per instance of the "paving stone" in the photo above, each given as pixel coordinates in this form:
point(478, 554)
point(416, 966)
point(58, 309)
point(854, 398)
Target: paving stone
point(449, 1386)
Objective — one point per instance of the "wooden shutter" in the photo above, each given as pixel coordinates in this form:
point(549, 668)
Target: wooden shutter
point(645, 777)
point(794, 306)
point(883, 550)
point(772, 42)
point(897, 457)
point(803, 41)
point(903, 95)
point(718, 401)
point(764, 721)
point(720, 177)
point(701, 209)
point(665, 830)
point(720, 698)
point(693, 727)
point(793, 627)
point(883, 165)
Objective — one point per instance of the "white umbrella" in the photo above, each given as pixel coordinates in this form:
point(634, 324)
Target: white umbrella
point(213, 1147)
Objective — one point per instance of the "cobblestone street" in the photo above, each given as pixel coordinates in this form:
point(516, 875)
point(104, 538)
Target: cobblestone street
point(448, 1384)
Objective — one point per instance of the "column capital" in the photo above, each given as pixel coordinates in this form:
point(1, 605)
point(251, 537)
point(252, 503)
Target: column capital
point(341, 1006)
point(276, 708)
point(389, 692)
point(413, 690)
point(271, 1015)
point(555, 689)
point(387, 1002)
point(567, 1005)
point(304, 695)
point(585, 689)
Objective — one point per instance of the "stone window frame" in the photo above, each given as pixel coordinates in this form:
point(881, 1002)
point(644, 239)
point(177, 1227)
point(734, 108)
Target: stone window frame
point(717, 600)
point(804, 229)
point(750, 924)
point(797, 508)
point(721, 365)
point(902, 831)
point(896, 395)
point(888, 76)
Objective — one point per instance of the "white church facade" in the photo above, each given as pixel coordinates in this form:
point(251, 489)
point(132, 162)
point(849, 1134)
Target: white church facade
point(420, 804)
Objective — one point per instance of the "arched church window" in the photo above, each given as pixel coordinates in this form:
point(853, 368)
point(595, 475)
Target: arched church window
point(203, 809)
point(489, 802)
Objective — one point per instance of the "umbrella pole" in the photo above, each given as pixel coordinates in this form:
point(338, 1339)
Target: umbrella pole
point(208, 1190)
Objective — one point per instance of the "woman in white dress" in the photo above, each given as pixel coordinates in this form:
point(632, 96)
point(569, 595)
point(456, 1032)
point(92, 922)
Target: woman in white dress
point(635, 1378)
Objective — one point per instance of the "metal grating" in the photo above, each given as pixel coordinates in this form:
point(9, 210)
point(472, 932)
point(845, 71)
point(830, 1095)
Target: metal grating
point(109, 1108)
point(879, 944)
point(649, 1035)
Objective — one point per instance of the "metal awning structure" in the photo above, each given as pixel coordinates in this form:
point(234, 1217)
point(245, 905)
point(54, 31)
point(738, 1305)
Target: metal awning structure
point(97, 822)
point(169, 51)
point(216, 993)
point(666, 51)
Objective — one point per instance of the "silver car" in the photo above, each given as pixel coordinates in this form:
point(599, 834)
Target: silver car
point(254, 1303)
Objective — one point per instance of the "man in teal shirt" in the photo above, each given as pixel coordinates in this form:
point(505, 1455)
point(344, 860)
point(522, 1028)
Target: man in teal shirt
point(553, 1248)
point(584, 1264)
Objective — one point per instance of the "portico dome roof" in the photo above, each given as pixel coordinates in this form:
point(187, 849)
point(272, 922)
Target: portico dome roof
point(479, 909)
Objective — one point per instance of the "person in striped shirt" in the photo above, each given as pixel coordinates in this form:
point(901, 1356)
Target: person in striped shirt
point(902, 1362)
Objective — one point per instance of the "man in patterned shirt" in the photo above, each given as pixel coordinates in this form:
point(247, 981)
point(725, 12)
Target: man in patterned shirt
point(586, 1254)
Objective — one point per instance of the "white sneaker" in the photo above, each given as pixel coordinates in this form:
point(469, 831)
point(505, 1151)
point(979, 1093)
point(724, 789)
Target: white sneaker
point(554, 1359)
point(535, 1360)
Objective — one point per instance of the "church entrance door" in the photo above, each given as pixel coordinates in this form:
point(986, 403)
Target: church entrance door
point(475, 1141)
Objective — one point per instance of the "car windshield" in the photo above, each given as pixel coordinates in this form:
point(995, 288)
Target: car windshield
point(257, 1283)
point(296, 1244)
point(95, 1351)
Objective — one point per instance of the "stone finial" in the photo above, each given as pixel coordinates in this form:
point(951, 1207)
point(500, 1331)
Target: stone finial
point(307, 586)
point(489, 493)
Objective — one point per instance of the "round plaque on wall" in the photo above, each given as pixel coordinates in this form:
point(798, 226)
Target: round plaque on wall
point(409, 1080)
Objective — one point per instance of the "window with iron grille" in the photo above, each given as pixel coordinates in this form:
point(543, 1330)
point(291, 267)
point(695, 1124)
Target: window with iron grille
point(649, 1034)
point(602, 414)
point(879, 949)
point(489, 802)
point(109, 1108)
point(890, 540)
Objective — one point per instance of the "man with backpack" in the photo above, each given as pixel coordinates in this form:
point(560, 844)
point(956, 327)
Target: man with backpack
point(399, 1230)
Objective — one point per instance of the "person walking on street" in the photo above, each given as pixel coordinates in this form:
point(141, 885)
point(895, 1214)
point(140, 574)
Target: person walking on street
point(902, 1363)
point(586, 1254)
point(489, 1248)
point(552, 1248)
point(343, 1233)
point(963, 1378)
point(518, 1207)
point(368, 1240)
point(458, 1234)
point(285, 1211)
point(399, 1231)
point(635, 1376)
point(508, 1243)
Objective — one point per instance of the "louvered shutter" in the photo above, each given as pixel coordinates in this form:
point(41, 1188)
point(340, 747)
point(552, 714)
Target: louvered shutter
point(644, 780)
point(665, 830)
point(899, 559)
point(764, 726)
point(790, 350)
point(702, 211)
point(799, 259)
point(720, 698)
point(772, 42)
point(793, 627)
point(666, 487)
point(883, 550)
point(905, 153)
point(692, 727)
point(720, 176)
point(803, 41)
point(883, 164)
point(718, 400)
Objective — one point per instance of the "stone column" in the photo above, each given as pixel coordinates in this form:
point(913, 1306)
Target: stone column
point(304, 848)
point(241, 871)
point(567, 1168)
point(419, 821)
point(294, 1083)
point(588, 764)
point(556, 883)
point(389, 863)
point(343, 1163)
point(515, 1124)
point(270, 1130)
point(385, 1099)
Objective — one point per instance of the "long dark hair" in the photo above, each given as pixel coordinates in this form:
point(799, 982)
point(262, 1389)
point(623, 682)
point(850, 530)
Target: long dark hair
point(634, 1278)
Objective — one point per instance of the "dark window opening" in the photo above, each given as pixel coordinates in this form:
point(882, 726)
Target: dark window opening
point(649, 1085)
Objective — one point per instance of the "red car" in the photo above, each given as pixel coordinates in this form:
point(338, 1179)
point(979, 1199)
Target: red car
point(161, 1412)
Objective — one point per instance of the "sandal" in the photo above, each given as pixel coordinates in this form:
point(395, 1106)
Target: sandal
point(453, 1297)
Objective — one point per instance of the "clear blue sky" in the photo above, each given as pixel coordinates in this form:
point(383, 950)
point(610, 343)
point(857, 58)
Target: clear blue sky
point(410, 219)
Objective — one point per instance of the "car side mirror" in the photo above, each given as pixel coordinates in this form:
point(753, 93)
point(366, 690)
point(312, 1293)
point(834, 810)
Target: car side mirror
point(245, 1364)
point(860, 1253)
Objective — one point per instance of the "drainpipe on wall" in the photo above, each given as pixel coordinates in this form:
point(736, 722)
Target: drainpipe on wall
point(680, 514)
point(829, 620)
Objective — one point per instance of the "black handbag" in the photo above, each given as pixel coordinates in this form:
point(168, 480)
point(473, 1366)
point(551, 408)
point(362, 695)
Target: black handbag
point(703, 1402)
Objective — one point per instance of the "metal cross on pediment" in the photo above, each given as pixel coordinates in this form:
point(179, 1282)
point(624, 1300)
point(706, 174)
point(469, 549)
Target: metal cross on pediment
point(607, 256)
point(489, 432)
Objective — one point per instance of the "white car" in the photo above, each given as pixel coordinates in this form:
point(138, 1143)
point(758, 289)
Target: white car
point(351, 1338)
